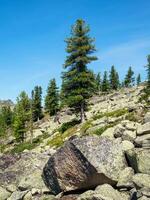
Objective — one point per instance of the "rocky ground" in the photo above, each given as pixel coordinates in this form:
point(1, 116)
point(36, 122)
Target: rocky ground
point(106, 158)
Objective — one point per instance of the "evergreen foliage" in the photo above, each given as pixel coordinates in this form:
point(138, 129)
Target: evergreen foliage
point(129, 78)
point(52, 98)
point(21, 116)
point(98, 82)
point(78, 81)
point(114, 79)
point(105, 83)
point(6, 116)
point(138, 79)
point(37, 103)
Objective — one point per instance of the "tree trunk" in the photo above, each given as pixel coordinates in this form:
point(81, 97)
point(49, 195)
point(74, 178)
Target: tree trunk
point(83, 116)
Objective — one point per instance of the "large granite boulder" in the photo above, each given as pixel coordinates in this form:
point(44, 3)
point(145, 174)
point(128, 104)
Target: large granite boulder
point(84, 163)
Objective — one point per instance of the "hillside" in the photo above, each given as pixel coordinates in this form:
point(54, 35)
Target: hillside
point(105, 158)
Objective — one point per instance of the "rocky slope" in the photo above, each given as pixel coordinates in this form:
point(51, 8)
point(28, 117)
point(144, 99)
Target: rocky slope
point(106, 158)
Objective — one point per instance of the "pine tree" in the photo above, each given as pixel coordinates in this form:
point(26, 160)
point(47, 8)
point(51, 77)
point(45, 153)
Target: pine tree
point(6, 116)
point(138, 79)
point(21, 116)
point(114, 79)
point(98, 82)
point(105, 83)
point(37, 103)
point(78, 81)
point(52, 98)
point(129, 79)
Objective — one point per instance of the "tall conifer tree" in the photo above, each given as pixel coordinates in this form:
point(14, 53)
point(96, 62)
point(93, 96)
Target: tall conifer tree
point(52, 98)
point(37, 103)
point(138, 79)
point(105, 82)
point(78, 81)
point(21, 116)
point(114, 79)
point(98, 82)
point(129, 78)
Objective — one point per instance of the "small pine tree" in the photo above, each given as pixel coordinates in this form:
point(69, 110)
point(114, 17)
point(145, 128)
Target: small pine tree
point(52, 98)
point(78, 81)
point(37, 103)
point(21, 116)
point(138, 79)
point(98, 82)
point(114, 79)
point(105, 83)
point(129, 79)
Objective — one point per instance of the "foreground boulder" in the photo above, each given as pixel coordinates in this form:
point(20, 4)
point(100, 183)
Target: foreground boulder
point(84, 163)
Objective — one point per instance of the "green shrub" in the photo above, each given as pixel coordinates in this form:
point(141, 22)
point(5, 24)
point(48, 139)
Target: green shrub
point(116, 113)
point(67, 125)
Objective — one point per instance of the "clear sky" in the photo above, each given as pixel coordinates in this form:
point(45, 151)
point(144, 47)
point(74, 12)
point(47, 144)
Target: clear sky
point(32, 33)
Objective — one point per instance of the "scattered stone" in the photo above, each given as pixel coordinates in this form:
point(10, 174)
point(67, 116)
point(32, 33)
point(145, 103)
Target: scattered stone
point(129, 135)
point(141, 139)
point(17, 195)
point(31, 181)
point(139, 160)
point(142, 180)
point(127, 145)
point(125, 178)
point(4, 194)
point(147, 117)
point(143, 129)
point(109, 133)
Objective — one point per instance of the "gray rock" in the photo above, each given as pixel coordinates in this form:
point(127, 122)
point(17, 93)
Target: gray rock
point(143, 129)
point(129, 135)
point(119, 130)
point(141, 139)
point(125, 178)
point(31, 181)
point(17, 195)
point(139, 160)
point(147, 117)
point(84, 163)
point(127, 145)
point(4, 194)
point(142, 180)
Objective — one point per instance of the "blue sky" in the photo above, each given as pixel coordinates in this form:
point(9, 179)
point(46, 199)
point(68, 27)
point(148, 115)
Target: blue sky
point(32, 33)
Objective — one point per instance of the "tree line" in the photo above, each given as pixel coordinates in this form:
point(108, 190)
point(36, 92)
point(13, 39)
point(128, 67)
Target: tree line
point(79, 83)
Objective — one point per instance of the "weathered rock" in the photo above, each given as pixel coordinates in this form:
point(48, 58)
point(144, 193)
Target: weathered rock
point(17, 195)
point(119, 130)
point(4, 194)
point(28, 196)
point(143, 129)
point(127, 145)
point(108, 191)
point(142, 180)
point(129, 135)
point(14, 168)
point(139, 160)
point(84, 163)
point(109, 133)
point(141, 139)
point(147, 117)
point(31, 181)
point(125, 178)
